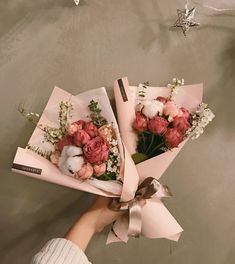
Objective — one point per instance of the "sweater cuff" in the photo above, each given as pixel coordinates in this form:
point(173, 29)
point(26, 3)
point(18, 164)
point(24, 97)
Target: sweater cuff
point(60, 251)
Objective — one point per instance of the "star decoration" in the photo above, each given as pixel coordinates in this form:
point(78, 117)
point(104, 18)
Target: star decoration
point(185, 19)
point(76, 2)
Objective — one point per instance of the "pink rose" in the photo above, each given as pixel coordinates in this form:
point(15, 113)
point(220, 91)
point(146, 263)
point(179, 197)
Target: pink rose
point(91, 129)
point(158, 125)
point(106, 132)
point(170, 109)
point(55, 156)
point(181, 124)
point(96, 150)
point(80, 124)
point(184, 113)
point(141, 122)
point(173, 137)
point(85, 172)
point(63, 142)
point(81, 137)
point(162, 99)
point(73, 128)
point(99, 169)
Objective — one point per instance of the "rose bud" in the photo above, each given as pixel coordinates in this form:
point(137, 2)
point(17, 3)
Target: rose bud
point(81, 137)
point(55, 156)
point(158, 125)
point(99, 169)
point(73, 128)
point(85, 172)
point(80, 124)
point(91, 129)
point(63, 142)
point(162, 99)
point(96, 150)
point(184, 113)
point(173, 137)
point(141, 122)
point(170, 109)
point(106, 132)
point(181, 124)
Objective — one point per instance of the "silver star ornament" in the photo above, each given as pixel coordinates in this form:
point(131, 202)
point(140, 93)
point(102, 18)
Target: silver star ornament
point(76, 2)
point(185, 19)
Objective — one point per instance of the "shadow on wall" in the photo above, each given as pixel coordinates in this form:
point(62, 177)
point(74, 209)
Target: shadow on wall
point(149, 33)
point(223, 98)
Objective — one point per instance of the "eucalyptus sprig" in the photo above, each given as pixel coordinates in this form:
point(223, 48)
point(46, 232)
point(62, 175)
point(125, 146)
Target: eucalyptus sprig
point(95, 115)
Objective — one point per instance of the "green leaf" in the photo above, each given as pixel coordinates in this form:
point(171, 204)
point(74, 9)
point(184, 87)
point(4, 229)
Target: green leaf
point(139, 157)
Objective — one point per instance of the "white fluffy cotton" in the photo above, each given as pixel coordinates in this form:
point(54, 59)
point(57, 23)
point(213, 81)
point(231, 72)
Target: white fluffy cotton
point(152, 108)
point(69, 162)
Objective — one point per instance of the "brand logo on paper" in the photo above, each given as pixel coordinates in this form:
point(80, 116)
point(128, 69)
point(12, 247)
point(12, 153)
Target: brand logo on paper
point(122, 90)
point(26, 168)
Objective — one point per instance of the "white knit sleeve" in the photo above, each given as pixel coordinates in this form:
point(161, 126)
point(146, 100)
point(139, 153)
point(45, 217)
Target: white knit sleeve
point(60, 251)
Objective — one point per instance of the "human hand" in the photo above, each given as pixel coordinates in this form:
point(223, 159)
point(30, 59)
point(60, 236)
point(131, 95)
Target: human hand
point(92, 221)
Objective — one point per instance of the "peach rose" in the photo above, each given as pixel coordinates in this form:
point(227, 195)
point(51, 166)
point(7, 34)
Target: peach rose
point(85, 172)
point(106, 132)
point(99, 169)
point(170, 109)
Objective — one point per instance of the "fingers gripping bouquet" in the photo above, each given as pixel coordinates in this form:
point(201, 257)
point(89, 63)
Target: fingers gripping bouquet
point(155, 123)
point(76, 143)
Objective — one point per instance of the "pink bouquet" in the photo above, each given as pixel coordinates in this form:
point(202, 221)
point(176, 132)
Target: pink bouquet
point(154, 125)
point(156, 122)
point(76, 143)
point(162, 125)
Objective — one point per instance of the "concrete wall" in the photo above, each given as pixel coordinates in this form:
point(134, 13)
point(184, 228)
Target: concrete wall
point(46, 43)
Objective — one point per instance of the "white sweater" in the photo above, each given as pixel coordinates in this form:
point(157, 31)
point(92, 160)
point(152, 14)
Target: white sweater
point(60, 251)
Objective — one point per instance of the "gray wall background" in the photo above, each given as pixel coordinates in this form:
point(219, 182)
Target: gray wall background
point(46, 43)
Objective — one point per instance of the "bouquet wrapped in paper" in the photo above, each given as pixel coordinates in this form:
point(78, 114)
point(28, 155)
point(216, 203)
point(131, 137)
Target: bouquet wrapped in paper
point(155, 123)
point(76, 143)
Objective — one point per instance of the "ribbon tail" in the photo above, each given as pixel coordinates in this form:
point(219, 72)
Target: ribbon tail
point(112, 238)
point(120, 230)
point(135, 219)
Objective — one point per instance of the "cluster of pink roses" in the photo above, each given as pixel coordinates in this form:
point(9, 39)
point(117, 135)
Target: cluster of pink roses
point(93, 144)
point(162, 117)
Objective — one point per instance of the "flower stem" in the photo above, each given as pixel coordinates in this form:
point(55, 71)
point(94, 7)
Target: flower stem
point(158, 146)
point(151, 143)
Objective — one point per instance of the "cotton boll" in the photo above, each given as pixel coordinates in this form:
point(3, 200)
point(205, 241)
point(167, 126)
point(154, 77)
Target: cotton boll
point(63, 168)
point(73, 151)
point(152, 108)
point(63, 156)
point(74, 164)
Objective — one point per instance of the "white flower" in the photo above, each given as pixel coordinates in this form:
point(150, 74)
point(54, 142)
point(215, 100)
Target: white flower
point(73, 150)
point(152, 108)
point(74, 164)
point(71, 160)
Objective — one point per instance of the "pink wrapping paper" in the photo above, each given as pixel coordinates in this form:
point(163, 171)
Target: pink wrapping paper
point(31, 164)
point(157, 222)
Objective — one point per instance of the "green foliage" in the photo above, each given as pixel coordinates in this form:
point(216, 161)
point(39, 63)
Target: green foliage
point(95, 115)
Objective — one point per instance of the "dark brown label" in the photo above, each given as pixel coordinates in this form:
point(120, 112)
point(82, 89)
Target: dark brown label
point(122, 90)
point(26, 168)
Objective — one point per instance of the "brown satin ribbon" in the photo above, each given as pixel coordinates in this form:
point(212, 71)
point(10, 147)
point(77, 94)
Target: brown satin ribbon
point(146, 190)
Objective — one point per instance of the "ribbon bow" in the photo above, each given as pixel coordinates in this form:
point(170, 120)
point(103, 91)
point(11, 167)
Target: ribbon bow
point(148, 189)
